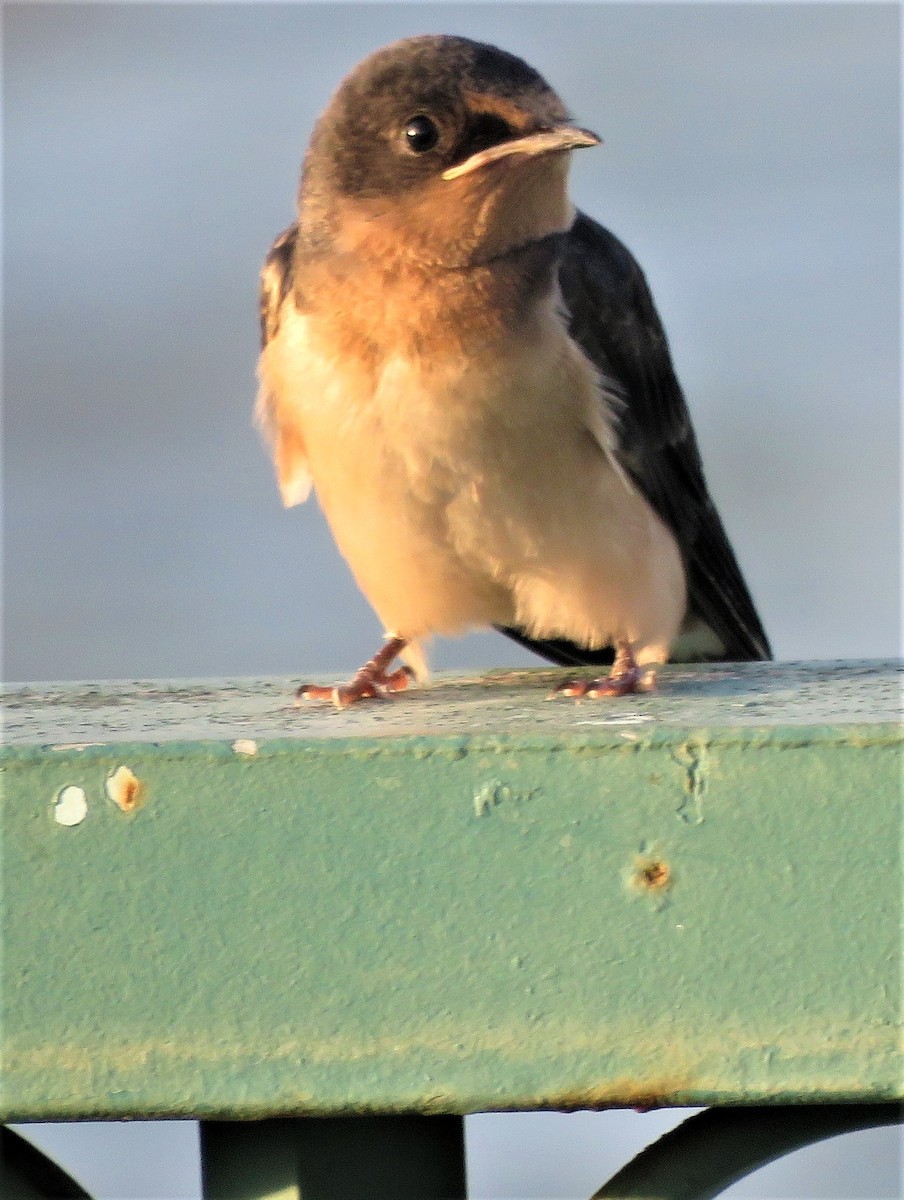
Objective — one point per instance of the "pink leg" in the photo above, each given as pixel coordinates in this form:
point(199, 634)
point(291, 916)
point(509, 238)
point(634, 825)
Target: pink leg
point(373, 681)
point(625, 678)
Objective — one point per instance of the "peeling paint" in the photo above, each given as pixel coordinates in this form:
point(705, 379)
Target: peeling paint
point(495, 792)
point(71, 806)
point(246, 746)
point(650, 874)
point(693, 756)
point(125, 789)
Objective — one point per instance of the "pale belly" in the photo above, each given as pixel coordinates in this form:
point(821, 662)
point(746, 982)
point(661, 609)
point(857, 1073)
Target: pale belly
point(471, 498)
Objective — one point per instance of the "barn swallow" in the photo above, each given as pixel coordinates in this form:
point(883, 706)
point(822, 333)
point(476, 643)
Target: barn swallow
point(475, 380)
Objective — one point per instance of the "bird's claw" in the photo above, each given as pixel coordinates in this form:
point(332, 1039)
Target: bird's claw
point(625, 679)
point(372, 682)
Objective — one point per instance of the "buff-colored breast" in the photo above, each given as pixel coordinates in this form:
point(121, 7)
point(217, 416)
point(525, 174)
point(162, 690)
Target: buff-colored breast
point(473, 488)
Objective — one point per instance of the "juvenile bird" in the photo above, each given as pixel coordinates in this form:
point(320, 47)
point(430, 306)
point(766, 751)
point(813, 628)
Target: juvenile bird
point(474, 378)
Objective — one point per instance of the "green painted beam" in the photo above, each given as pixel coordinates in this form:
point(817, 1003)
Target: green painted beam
point(463, 899)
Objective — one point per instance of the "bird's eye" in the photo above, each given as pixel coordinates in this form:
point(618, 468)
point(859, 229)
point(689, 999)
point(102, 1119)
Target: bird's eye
point(421, 134)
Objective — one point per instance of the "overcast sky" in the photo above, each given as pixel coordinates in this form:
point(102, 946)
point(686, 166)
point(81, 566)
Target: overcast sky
point(751, 162)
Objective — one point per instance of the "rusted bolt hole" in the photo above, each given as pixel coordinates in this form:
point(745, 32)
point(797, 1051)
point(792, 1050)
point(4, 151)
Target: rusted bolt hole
point(125, 789)
point(651, 875)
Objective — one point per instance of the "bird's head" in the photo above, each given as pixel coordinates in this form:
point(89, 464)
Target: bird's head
point(442, 151)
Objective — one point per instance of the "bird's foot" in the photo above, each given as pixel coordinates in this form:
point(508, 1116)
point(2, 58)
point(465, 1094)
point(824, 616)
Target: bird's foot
point(369, 687)
point(373, 681)
point(626, 678)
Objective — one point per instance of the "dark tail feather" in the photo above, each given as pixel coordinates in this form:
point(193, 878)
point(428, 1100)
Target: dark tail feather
point(560, 651)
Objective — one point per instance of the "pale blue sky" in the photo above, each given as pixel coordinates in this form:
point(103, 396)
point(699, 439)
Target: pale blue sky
point(751, 161)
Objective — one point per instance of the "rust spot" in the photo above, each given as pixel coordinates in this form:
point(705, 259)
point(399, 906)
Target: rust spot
point(651, 874)
point(125, 789)
point(639, 1094)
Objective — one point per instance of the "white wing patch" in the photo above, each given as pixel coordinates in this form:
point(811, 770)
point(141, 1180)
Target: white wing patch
point(276, 414)
point(293, 476)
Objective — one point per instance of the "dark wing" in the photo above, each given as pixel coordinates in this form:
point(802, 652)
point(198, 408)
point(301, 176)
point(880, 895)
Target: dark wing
point(612, 317)
point(276, 282)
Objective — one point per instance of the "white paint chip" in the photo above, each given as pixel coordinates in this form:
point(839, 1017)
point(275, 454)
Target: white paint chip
point(70, 806)
point(245, 746)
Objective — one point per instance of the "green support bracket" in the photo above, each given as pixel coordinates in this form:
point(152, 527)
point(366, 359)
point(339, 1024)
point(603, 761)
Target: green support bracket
point(28, 1174)
point(334, 1158)
point(709, 1152)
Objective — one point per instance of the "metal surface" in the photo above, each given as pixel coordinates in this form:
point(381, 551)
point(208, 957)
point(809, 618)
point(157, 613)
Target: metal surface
point(334, 1158)
point(712, 695)
point(505, 903)
point(710, 1151)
